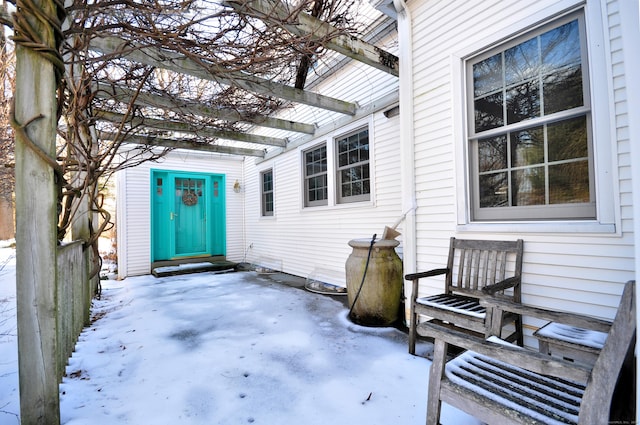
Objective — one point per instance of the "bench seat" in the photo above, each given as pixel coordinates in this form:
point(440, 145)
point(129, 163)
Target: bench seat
point(455, 303)
point(532, 397)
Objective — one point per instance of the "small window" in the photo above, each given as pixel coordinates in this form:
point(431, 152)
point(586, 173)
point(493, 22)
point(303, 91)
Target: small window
point(352, 169)
point(266, 184)
point(530, 138)
point(315, 176)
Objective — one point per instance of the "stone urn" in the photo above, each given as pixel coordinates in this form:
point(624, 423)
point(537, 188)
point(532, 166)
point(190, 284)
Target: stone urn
point(377, 297)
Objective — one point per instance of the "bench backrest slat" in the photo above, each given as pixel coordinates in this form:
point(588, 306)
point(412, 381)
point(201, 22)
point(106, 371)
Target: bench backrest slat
point(476, 264)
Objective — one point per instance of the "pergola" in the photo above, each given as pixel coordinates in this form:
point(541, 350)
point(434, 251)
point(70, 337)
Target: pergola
point(115, 80)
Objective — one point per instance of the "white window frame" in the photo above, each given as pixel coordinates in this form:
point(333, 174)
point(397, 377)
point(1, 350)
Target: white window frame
point(263, 205)
point(365, 197)
point(329, 140)
point(305, 178)
point(604, 146)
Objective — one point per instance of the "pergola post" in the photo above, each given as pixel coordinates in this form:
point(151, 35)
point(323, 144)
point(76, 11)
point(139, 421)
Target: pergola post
point(36, 214)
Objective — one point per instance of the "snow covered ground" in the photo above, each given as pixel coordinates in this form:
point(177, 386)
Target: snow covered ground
point(231, 348)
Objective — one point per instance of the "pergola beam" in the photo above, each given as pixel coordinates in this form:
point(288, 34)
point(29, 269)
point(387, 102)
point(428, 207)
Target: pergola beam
point(125, 95)
point(188, 144)
point(166, 59)
point(306, 24)
point(183, 127)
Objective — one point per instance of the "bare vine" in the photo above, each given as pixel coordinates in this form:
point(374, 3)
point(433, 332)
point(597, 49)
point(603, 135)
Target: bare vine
point(220, 39)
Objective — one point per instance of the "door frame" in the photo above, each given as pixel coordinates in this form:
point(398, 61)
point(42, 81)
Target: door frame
point(162, 230)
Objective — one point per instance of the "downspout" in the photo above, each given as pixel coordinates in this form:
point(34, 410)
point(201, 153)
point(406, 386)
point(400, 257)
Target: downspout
point(407, 147)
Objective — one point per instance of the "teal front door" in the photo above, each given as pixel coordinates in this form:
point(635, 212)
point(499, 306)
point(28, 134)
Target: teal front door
point(190, 216)
point(187, 215)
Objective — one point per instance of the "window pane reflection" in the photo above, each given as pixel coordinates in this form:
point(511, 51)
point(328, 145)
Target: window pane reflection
point(494, 190)
point(488, 112)
point(568, 139)
point(528, 187)
point(561, 46)
point(563, 90)
point(522, 62)
point(487, 75)
point(523, 102)
point(527, 147)
point(492, 153)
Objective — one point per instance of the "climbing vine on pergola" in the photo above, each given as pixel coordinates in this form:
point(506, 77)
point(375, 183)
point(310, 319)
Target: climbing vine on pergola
point(92, 75)
point(168, 74)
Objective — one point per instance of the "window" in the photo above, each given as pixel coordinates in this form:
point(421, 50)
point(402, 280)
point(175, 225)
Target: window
point(315, 176)
point(530, 141)
point(266, 184)
point(352, 178)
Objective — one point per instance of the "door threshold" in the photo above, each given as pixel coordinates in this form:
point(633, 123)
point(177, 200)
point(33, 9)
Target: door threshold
point(191, 265)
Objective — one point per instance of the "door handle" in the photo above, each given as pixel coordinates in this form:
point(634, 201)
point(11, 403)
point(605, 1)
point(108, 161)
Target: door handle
point(172, 215)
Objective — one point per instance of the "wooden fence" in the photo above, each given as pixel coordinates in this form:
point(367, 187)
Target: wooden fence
point(73, 299)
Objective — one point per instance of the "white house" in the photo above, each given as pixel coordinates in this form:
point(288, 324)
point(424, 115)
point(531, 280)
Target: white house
point(516, 119)
point(518, 124)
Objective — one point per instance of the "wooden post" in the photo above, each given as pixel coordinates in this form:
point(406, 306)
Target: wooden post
point(36, 220)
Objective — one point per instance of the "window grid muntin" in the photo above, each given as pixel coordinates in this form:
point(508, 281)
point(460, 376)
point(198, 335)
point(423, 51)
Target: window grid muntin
point(315, 176)
point(353, 176)
point(539, 77)
point(585, 211)
point(267, 198)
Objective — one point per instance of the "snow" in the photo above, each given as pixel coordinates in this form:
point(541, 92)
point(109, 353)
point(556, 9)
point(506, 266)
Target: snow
point(182, 267)
point(441, 301)
point(225, 348)
point(574, 335)
point(560, 397)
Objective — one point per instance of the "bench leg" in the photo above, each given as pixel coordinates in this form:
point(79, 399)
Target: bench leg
point(520, 331)
point(435, 377)
point(543, 347)
point(413, 323)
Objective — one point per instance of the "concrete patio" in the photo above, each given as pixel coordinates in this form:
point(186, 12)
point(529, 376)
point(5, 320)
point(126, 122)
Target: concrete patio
point(239, 347)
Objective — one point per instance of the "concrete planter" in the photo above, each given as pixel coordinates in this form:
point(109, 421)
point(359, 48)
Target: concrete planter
point(379, 299)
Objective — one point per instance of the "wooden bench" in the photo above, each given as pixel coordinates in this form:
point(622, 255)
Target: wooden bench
point(500, 383)
point(475, 269)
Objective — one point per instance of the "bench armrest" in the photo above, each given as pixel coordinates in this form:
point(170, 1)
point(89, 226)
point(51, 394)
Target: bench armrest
point(434, 272)
point(512, 354)
point(566, 318)
point(502, 285)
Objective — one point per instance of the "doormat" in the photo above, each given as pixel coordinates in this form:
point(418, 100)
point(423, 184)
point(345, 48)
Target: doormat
point(188, 268)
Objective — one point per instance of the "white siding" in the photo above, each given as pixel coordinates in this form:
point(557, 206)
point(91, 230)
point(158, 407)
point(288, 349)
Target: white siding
point(133, 207)
point(296, 240)
point(564, 268)
point(314, 241)
point(568, 266)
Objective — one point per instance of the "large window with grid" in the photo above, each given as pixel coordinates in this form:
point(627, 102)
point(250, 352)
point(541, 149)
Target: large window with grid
point(530, 139)
point(353, 181)
point(266, 184)
point(315, 176)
